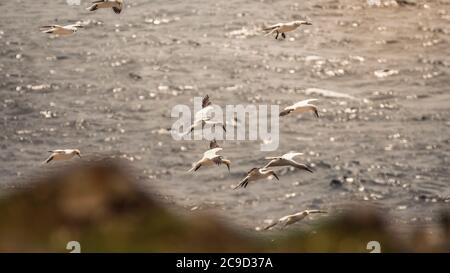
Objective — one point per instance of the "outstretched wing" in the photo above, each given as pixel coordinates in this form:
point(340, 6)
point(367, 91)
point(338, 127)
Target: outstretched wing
point(300, 166)
point(291, 155)
point(304, 102)
point(57, 151)
point(286, 111)
point(206, 102)
point(269, 28)
point(49, 26)
point(195, 167)
point(271, 225)
point(272, 163)
point(243, 183)
point(272, 157)
point(252, 171)
point(316, 211)
point(50, 158)
point(212, 153)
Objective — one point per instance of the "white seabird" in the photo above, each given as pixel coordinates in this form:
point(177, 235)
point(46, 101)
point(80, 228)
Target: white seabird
point(293, 218)
point(287, 160)
point(205, 112)
point(61, 30)
point(116, 5)
point(59, 155)
point(201, 123)
point(211, 158)
point(204, 117)
point(282, 28)
point(256, 174)
point(301, 107)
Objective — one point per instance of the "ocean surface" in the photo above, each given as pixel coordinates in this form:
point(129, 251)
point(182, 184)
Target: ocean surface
point(382, 139)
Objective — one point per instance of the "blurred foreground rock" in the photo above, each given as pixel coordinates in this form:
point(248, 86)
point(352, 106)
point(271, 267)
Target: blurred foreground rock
point(101, 205)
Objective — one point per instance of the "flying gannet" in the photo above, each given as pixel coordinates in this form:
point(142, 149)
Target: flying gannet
point(204, 117)
point(116, 5)
point(256, 174)
point(284, 27)
point(61, 30)
point(201, 123)
point(211, 158)
point(287, 160)
point(205, 112)
point(59, 155)
point(301, 107)
point(293, 218)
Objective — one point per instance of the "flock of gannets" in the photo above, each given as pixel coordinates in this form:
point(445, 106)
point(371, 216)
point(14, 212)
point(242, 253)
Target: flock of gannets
point(116, 5)
point(211, 156)
point(202, 118)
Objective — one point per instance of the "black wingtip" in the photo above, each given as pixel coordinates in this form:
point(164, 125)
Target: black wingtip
point(309, 170)
point(93, 8)
point(317, 113)
point(284, 113)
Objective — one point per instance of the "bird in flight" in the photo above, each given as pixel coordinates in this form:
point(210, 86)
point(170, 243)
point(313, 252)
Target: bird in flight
point(256, 174)
point(207, 108)
point(201, 123)
point(293, 218)
point(116, 5)
point(60, 155)
point(61, 30)
point(282, 28)
point(204, 117)
point(211, 158)
point(301, 107)
point(287, 160)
